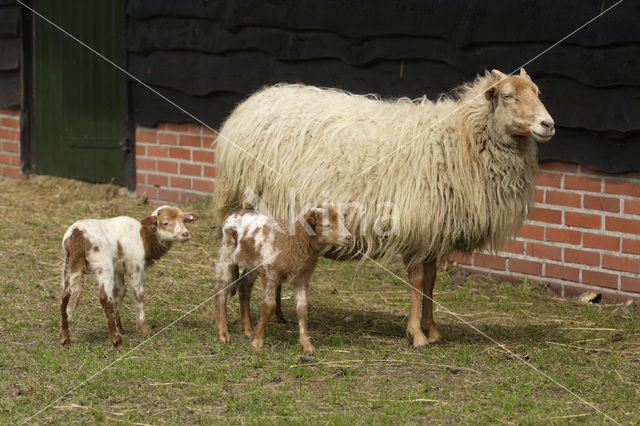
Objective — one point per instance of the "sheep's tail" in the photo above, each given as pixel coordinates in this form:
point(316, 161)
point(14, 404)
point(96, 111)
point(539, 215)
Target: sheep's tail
point(72, 277)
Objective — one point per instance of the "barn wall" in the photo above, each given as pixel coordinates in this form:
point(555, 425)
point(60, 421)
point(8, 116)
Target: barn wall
point(10, 56)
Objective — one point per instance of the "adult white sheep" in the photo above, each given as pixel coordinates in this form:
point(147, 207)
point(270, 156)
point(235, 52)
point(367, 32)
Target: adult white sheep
point(458, 173)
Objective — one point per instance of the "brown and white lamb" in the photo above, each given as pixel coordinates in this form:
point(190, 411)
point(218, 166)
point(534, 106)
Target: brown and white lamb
point(276, 250)
point(111, 248)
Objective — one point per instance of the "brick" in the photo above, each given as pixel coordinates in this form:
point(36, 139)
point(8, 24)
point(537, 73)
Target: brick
point(632, 206)
point(513, 246)
point(167, 166)
point(525, 266)
point(599, 241)
point(195, 129)
point(559, 166)
point(13, 172)
point(629, 226)
point(209, 171)
point(621, 263)
point(582, 183)
point(544, 251)
point(190, 140)
point(180, 153)
point(630, 246)
point(589, 171)
point(9, 159)
point(208, 142)
point(561, 271)
point(190, 169)
point(563, 235)
point(582, 257)
point(538, 196)
point(14, 135)
point(541, 214)
point(170, 195)
point(622, 187)
point(146, 136)
point(186, 196)
point(204, 185)
point(582, 220)
point(11, 147)
point(13, 123)
point(180, 182)
point(157, 151)
point(203, 156)
point(533, 232)
point(563, 198)
point(601, 279)
point(147, 191)
point(489, 261)
point(157, 180)
point(630, 284)
point(549, 179)
point(596, 202)
point(4, 133)
point(145, 164)
point(167, 139)
point(141, 178)
point(180, 128)
point(206, 131)
point(141, 150)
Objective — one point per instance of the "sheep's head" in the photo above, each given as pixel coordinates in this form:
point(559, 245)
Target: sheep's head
point(168, 223)
point(517, 107)
point(328, 224)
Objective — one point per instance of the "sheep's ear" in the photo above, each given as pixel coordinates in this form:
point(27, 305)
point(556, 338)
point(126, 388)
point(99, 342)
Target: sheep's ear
point(498, 74)
point(311, 218)
point(190, 217)
point(149, 221)
point(523, 73)
point(490, 93)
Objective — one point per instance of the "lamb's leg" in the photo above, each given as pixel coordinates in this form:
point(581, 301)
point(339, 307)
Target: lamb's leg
point(416, 280)
point(106, 280)
point(268, 306)
point(135, 281)
point(118, 293)
point(226, 274)
point(427, 322)
point(244, 294)
point(278, 312)
point(300, 296)
point(66, 294)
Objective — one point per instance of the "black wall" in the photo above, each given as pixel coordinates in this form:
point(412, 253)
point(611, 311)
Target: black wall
point(9, 54)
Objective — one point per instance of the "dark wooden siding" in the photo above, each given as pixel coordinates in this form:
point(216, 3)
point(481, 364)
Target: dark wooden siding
point(9, 54)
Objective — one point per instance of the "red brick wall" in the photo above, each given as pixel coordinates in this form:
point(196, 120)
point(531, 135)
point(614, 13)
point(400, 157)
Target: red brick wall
point(175, 162)
point(10, 143)
point(584, 233)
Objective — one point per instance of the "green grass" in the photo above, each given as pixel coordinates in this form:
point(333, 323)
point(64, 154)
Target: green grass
point(365, 370)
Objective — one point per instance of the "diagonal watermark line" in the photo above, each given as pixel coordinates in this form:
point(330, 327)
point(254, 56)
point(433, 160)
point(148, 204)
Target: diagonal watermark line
point(131, 76)
point(485, 335)
point(141, 344)
point(406, 143)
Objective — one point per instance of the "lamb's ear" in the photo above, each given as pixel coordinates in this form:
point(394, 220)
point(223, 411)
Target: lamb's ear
point(190, 217)
point(149, 221)
point(311, 217)
point(490, 93)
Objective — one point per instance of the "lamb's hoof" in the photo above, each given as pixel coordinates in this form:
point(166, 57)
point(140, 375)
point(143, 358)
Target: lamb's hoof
point(118, 345)
point(65, 340)
point(439, 341)
point(309, 350)
point(257, 344)
point(143, 328)
point(248, 333)
point(421, 347)
point(223, 336)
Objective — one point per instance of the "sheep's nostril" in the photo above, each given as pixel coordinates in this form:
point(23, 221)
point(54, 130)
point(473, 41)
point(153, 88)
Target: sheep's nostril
point(348, 238)
point(547, 124)
point(185, 234)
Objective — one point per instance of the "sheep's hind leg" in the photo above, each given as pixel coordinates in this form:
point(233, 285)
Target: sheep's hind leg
point(244, 294)
point(64, 301)
point(118, 293)
point(300, 295)
point(226, 276)
point(106, 281)
point(427, 323)
point(414, 329)
point(278, 312)
point(268, 306)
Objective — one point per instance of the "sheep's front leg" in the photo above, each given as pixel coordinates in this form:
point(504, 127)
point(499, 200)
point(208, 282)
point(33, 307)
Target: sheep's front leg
point(106, 280)
point(226, 275)
point(135, 281)
point(244, 294)
point(300, 296)
point(414, 329)
point(427, 323)
point(268, 306)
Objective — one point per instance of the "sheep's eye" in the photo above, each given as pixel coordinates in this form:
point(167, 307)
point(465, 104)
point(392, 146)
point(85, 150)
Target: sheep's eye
point(507, 96)
point(326, 226)
point(165, 224)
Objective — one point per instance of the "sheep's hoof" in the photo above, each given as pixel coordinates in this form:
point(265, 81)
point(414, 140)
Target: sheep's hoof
point(248, 333)
point(223, 336)
point(421, 347)
point(118, 345)
point(309, 350)
point(143, 328)
point(65, 340)
point(439, 341)
point(257, 344)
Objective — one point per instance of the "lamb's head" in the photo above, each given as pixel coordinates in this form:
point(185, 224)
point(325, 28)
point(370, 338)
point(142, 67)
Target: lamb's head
point(168, 223)
point(517, 108)
point(327, 222)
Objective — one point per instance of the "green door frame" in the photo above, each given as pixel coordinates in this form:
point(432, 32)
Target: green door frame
point(28, 144)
